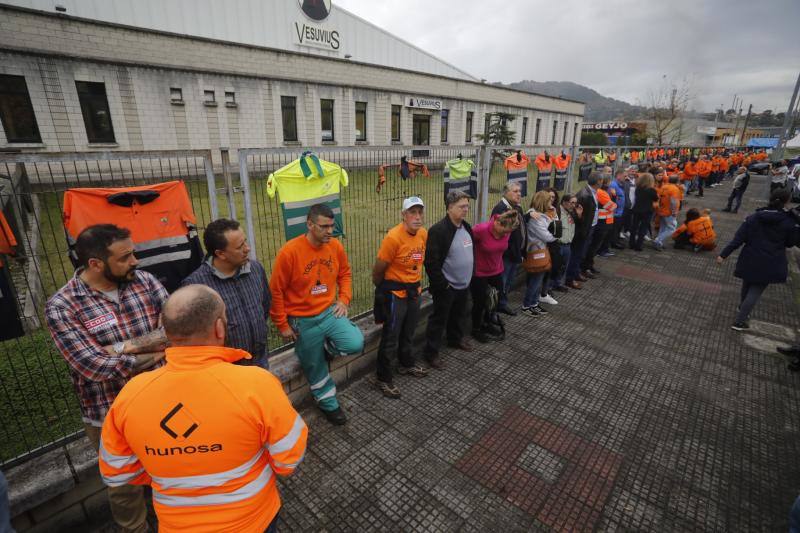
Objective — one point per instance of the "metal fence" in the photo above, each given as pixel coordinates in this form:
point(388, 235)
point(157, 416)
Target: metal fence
point(38, 408)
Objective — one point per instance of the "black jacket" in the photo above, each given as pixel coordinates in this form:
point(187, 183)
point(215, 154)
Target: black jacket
point(586, 199)
point(765, 235)
point(516, 241)
point(440, 237)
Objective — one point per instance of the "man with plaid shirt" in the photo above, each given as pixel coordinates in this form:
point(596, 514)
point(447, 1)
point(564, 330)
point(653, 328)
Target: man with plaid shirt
point(105, 323)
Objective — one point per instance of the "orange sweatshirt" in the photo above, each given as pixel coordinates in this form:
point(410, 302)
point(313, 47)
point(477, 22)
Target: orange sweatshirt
point(304, 279)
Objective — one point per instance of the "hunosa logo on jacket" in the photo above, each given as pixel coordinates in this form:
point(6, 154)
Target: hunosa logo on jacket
point(179, 424)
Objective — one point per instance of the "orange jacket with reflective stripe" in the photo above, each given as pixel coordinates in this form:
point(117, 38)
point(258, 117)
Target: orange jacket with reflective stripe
point(606, 206)
point(701, 231)
point(562, 162)
point(208, 436)
point(545, 167)
point(7, 240)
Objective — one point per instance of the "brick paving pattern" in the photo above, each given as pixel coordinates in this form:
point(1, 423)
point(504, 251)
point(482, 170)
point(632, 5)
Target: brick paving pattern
point(631, 406)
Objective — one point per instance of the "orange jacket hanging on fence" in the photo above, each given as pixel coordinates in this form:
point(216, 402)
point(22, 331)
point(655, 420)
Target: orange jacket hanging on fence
point(405, 169)
point(544, 166)
point(7, 240)
point(208, 436)
point(159, 217)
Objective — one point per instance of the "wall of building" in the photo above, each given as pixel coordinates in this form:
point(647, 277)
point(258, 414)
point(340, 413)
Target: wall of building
point(139, 68)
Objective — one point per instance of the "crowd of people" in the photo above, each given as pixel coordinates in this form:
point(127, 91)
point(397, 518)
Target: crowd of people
point(163, 382)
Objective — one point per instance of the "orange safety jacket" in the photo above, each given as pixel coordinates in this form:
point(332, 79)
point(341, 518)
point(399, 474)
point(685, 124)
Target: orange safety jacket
point(666, 194)
point(208, 436)
point(7, 239)
point(545, 167)
point(689, 171)
point(405, 169)
point(703, 168)
point(701, 231)
point(606, 207)
point(716, 163)
point(516, 166)
point(159, 217)
point(724, 164)
point(562, 162)
point(635, 156)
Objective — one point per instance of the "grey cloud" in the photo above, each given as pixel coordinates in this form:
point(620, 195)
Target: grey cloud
point(621, 48)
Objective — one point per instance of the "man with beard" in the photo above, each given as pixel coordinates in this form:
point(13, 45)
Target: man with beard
point(105, 323)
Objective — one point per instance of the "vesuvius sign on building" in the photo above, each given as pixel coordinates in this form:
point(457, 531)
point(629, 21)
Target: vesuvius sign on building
point(309, 33)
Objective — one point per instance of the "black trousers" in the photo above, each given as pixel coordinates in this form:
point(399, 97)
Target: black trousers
point(599, 235)
point(616, 230)
point(479, 287)
point(639, 228)
point(449, 309)
point(397, 335)
point(682, 241)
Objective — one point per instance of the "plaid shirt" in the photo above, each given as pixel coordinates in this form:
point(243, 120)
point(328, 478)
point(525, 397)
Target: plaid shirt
point(247, 301)
point(82, 321)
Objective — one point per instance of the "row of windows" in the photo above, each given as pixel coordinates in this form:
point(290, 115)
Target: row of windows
point(19, 120)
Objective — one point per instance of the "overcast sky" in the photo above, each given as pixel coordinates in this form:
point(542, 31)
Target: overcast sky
point(620, 48)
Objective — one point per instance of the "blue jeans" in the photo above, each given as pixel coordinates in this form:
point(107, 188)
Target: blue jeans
point(579, 249)
point(668, 225)
point(509, 273)
point(533, 289)
point(557, 278)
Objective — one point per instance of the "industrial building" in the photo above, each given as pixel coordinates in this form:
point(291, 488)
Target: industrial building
point(78, 75)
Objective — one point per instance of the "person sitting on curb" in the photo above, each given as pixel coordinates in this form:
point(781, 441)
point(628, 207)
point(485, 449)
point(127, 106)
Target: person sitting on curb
point(396, 275)
point(697, 231)
point(306, 308)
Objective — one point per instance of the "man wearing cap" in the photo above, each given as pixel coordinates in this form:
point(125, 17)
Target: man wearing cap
point(396, 275)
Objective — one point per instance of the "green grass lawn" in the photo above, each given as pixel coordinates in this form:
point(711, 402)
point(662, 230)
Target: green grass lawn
point(37, 401)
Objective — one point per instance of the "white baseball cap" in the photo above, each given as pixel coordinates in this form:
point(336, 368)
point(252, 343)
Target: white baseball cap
point(411, 201)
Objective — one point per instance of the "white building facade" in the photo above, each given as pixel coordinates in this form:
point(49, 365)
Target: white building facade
point(82, 75)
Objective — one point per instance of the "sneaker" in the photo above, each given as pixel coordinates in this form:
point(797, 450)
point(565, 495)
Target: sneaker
point(418, 371)
point(658, 246)
point(607, 254)
point(648, 238)
point(540, 309)
point(389, 390)
point(740, 326)
point(547, 299)
point(531, 311)
point(697, 248)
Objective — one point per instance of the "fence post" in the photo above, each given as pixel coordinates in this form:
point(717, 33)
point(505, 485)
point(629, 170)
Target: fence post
point(212, 185)
point(483, 155)
point(226, 174)
point(244, 180)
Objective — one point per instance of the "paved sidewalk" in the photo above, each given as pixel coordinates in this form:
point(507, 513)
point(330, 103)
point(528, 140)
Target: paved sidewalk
point(632, 406)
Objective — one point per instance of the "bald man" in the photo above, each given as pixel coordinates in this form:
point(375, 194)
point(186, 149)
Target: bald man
point(206, 434)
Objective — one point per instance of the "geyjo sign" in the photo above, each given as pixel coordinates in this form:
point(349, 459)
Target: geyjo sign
point(424, 103)
point(308, 34)
point(605, 126)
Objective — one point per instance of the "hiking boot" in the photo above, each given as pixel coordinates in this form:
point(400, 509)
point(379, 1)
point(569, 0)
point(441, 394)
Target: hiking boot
point(740, 326)
point(418, 371)
point(389, 390)
point(335, 417)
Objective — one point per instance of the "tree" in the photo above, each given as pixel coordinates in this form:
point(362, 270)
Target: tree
point(638, 139)
point(498, 132)
point(666, 107)
point(593, 138)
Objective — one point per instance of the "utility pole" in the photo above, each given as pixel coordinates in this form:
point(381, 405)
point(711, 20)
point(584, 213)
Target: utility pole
point(746, 120)
point(788, 120)
point(736, 126)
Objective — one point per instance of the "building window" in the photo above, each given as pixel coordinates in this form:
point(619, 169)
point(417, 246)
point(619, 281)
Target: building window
point(422, 130)
point(575, 133)
point(487, 123)
point(230, 97)
point(524, 129)
point(564, 136)
point(209, 97)
point(175, 94)
point(16, 111)
point(361, 121)
point(396, 123)
point(445, 117)
point(536, 133)
point(469, 127)
point(289, 118)
point(96, 114)
point(326, 112)
point(555, 127)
